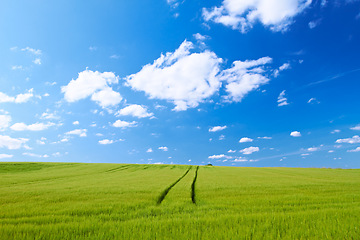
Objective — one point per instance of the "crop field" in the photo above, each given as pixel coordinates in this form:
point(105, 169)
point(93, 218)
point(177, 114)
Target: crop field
point(128, 201)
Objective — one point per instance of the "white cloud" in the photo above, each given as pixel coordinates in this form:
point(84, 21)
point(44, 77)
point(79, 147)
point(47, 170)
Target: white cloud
point(314, 24)
point(106, 141)
point(242, 15)
point(106, 97)
point(281, 68)
point(78, 132)
point(37, 61)
point(4, 122)
point(244, 77)
point(266, 138)
point(165, 149)
point(282, 100)
point(249, 150)
point(20, 98)
point(76, 123)
point(357, 127)
point(32, 51)
point(2, 156)
point(135, 111)
point(219, 156)
point(313, 149)
point(149, 150)
point(200, 37)
point(31, 127)
point(245, 139)
point(335, 131)
point(217, 128)
point(124, 124)
point(231, 151)
point(313, 100)
point(295, 134)
point(173, 3)
point(354, 139)
point(221, 137)
point(355, 150)
point(94, 84)
point(240, 159)
point(35, 155)
point(17, 67)
point(47, 115)
point(188, 78)
point(181, 77)
point(12, 143)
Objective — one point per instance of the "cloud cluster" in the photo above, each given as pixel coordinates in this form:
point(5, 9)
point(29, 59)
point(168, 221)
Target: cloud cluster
point(241, 15)
point(354, 139)
point(12, 143)
point(31, 127)
point(77, 132)
point(187, 78)
point(20, 98)
point(94, 84)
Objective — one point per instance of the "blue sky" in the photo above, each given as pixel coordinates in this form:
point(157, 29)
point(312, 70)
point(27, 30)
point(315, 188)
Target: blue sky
point(232, 83)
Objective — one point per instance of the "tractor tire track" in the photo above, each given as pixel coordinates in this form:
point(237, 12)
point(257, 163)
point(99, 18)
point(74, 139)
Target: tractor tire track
point(166, 191)
point(193, 194)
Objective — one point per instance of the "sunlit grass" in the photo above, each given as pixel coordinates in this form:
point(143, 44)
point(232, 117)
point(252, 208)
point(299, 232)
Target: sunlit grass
point(118, 201)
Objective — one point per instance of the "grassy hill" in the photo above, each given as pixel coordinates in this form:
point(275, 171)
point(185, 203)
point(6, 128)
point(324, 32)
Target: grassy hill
point(125, 201)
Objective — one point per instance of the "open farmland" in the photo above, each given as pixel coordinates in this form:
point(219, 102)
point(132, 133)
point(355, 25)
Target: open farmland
point(120, 201)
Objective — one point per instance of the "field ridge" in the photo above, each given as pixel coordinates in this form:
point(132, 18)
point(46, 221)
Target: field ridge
point(166, 191)
point(193, 194)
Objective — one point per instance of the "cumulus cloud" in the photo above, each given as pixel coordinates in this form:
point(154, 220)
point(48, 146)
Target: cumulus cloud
point(314, 24)
point(76, 123)
point(355, 150)
point(240, 159)
point(4, 122)
point(32, 51)
point(188, 78)
point(245, 139)
point(124, 124)
point(249, 150)
point(20, 98)
point(231, 151)
point(94, 84)
point(244, 77)
point(12, 143)
point(295, 134)
point(78, 132)
point(354, 139)
point(357, 127)
point(2, 156)
point(282, 100)
point(182, 77)
point(31, 127)
point(165, 149)
point(217, 128)
point(149, 150)
point(335, 131)
point(47, 115)
point(135, 110)
point(242, 15)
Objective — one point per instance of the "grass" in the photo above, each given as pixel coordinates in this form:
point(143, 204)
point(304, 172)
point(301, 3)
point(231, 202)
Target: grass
point(119, 201)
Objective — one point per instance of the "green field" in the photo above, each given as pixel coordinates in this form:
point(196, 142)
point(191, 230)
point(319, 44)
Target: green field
point(123, 201)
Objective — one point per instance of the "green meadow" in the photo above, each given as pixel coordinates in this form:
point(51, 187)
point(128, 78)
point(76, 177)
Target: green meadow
point(128, 201)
